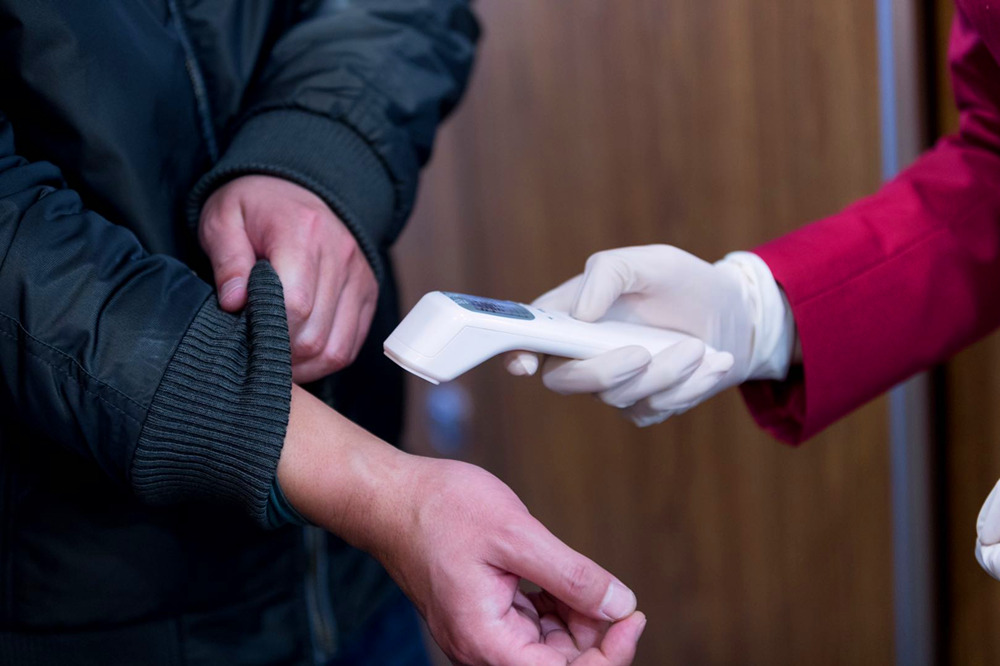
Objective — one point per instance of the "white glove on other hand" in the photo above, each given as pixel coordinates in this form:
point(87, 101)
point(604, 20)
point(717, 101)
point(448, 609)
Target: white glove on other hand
point(988, 534)
point(734, 306)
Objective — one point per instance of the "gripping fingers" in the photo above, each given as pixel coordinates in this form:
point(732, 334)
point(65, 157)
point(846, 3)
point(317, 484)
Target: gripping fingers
point(669, 368)
point(562, 298)
point(619, 644)
point(701, 385)
point(597, 374)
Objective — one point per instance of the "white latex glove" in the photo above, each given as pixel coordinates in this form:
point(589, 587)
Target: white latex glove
point(734, 306)
point(988, 534)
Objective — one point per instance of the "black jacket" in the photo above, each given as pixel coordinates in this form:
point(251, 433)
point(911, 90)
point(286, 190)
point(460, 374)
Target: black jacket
point(140, 426)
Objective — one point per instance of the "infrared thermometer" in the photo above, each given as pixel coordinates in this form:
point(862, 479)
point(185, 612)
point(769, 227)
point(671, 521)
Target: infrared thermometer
point(447, 334)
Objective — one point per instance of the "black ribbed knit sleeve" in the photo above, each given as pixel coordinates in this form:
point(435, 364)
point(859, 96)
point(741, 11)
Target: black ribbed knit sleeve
point(217, 422)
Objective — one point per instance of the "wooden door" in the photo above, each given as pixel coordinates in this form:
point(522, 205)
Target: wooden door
point(713, 125)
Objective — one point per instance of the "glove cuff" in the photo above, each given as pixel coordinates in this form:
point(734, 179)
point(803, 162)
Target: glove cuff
point(773, 325)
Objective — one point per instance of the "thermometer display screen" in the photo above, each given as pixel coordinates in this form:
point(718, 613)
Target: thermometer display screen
point(491, 306)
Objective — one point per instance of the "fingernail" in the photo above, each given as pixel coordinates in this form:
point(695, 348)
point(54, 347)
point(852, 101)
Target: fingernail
point(619, 602)
point(230, 288)
point(642, 627)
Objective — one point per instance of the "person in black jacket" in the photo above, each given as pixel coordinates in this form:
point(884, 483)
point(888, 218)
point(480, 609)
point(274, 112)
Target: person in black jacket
point(158, 465)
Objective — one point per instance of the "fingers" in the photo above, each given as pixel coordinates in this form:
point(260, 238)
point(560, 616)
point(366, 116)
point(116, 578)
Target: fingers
point(298, 265)
point(556, 635)
point(624, 376)
point(616, 649)
point(707, 380)
point(311, 335)
point(669, 384)
point(668, 369)
point(585, 631)
point(534, 553)
point(608, 275)
point(619, 644)
point(334, 339)
point(562, 298)
point(224, 239)
point(595, 374)
point(649, 389)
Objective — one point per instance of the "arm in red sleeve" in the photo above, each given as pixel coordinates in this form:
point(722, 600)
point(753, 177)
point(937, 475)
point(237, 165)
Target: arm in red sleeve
point(898, 281)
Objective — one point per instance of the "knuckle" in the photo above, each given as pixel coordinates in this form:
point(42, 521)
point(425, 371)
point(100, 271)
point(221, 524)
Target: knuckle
point(307, 217)
point(511, 532)
point(309, 346)
point(578, 579)
point(599, 260)
point(298, 304)
point(346, 250)
point(337, 356)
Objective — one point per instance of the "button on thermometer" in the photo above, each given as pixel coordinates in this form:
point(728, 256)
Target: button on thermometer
point(447, 334)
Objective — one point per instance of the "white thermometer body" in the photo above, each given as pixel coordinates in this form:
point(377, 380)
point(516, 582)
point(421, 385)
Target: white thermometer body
point(447, 334)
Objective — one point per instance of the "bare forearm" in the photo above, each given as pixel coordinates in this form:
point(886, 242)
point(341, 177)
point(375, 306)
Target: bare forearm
point(338, 475)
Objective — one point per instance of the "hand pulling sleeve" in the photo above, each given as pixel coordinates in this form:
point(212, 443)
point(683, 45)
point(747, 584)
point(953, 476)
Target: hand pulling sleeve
point(125, 358)
point(898, 281)
point(348, 104)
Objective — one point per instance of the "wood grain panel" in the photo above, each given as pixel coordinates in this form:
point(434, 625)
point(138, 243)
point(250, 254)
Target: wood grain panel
point(713, 125)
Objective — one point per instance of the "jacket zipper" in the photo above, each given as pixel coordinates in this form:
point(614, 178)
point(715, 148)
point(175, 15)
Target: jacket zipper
point(197, 83)
point(322, 622)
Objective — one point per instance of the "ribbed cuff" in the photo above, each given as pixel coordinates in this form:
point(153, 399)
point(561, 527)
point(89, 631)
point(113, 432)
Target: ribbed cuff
point(322, 155)
point(217, 422)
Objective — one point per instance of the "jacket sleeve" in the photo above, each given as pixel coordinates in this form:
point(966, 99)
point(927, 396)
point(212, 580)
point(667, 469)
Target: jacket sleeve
point(901, 280)
point(348, 103)
point(125, 358)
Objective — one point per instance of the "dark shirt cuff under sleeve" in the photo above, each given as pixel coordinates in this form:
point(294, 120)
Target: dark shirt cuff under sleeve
point(217, 422)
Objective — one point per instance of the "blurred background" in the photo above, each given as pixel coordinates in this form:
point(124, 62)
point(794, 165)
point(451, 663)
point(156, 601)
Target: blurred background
point(713, 125)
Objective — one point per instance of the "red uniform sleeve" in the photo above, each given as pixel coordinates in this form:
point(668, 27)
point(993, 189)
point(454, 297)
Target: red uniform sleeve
point(898, 281)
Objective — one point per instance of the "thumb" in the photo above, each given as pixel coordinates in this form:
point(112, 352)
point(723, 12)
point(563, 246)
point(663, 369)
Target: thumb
point(575, 580)
point(228, 247)
point(608, 275)
point(561, 298)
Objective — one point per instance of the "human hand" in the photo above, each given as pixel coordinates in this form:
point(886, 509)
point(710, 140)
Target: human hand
point(461, 554)
point(459, 542)
point(330, 290)
point(734, 306)
point(988, 534)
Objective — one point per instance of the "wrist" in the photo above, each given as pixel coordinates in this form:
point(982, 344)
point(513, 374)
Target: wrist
point(774, 335)
point(340, 477)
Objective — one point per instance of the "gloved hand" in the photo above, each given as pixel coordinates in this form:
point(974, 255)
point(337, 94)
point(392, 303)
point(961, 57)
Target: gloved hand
point(734, 306)
point(988, 534)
